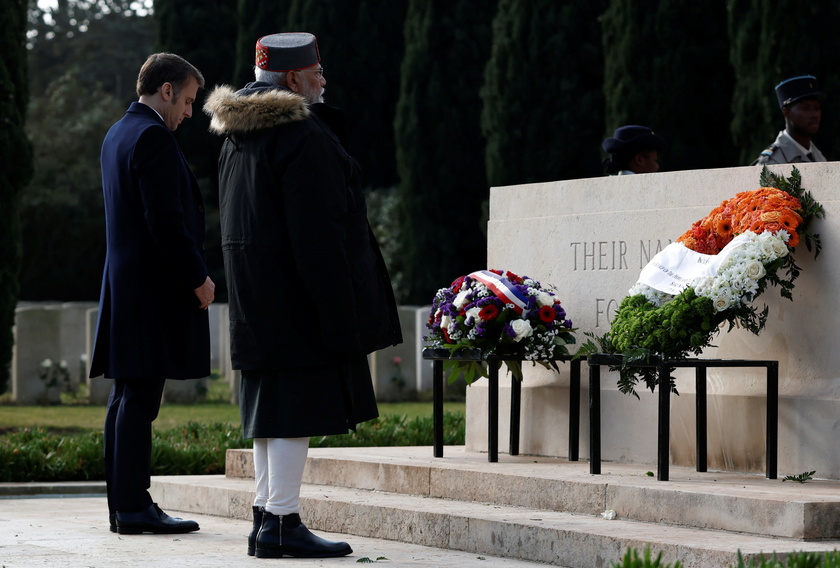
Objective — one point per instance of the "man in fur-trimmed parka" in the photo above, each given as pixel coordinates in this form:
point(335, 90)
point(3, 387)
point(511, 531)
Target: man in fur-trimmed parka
point(309, 293)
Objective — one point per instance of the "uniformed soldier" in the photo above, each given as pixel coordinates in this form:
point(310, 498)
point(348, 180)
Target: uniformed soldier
point(633, 149)
point(799, 101)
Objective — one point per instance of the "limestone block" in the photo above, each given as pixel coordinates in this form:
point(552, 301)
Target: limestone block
point(222, 334)
point(218, 322)
point(424, 368)
point(395, 369)
point(591, 238)
point(185, 391)
point(73, 339)
point(37, 334)
point(235, 379)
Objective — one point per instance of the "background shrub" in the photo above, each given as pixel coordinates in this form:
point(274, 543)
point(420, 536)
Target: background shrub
point(36, 454)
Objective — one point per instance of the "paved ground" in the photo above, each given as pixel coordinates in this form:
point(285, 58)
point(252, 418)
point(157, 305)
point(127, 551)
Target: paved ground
point(71, 531)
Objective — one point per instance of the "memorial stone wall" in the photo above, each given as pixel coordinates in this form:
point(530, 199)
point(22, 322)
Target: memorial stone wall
point(591, 238)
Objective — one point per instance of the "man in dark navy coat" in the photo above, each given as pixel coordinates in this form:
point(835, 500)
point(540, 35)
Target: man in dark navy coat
point(153, 321)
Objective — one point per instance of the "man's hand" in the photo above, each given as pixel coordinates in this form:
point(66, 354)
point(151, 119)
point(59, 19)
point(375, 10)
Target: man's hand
point(206, 293)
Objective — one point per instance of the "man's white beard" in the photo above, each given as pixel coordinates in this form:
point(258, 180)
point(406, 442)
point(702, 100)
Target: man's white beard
point(313, 97)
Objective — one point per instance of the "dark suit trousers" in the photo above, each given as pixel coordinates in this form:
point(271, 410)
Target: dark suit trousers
point(132, 407)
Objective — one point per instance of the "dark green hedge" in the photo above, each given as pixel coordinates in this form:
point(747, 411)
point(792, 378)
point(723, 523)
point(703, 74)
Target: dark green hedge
point(30, 455)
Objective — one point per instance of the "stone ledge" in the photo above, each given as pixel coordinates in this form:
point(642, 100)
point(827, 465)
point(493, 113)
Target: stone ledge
point(727, 501)
point(559, 538)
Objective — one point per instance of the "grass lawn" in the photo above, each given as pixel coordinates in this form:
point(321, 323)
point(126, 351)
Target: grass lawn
point(82, 417)
point(73, 415)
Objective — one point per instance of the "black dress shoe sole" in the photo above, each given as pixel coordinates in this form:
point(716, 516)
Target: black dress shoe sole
point(279, 553)
point(140, 529)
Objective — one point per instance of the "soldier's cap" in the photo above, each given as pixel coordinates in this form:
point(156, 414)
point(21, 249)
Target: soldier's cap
point(631, 138)
point(287, 51)
point(797, 88)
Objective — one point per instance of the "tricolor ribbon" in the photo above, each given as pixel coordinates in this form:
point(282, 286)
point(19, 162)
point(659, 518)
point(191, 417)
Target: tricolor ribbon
point(502, 288)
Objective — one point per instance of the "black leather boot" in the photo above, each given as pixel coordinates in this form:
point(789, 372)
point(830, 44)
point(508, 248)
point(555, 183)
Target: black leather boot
point(287, 536)
point(252, 538)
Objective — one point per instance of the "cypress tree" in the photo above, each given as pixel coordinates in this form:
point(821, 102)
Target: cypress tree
point(203, 33)
point(667, 67)
point(361, 44)
point(766, 50)
point(256, 18)
point(543, 104)
point(440, 149)
point(16, 157)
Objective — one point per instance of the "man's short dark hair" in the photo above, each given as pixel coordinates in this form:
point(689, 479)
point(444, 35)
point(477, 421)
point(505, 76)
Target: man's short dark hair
point(162, 68)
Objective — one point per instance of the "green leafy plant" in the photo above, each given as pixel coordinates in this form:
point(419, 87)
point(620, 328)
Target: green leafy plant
point(366, 560)
point(397, 430)
point(799, 559)
point(37, 454)
point(801, 478)
point(632, 559)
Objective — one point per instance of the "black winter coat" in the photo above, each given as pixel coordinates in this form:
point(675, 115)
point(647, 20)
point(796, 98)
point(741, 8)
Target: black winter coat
point(306, 279)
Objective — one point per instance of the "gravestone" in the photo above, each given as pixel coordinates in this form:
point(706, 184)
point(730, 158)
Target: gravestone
point(74, 340)
point(591, 238)
point(217, 315)
point(235, 379)
point(399, 373)
point(187, 391)
point(424, 372)
point(37, 340)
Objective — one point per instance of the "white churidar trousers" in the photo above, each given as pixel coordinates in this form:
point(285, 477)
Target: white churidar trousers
point(278, 472)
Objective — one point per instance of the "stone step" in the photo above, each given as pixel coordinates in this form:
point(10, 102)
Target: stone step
point(573, 540)
point(735, 502)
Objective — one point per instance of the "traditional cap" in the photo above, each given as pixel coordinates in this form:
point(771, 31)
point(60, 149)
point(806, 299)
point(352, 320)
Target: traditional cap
point(796, 88)
point(632, 137)
point(287, 51)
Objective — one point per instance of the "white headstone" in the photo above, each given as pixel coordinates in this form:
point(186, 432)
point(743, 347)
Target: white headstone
point(37, 343)
point(74, 339)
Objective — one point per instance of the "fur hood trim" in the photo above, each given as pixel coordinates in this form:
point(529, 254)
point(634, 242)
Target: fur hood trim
point(250, 110)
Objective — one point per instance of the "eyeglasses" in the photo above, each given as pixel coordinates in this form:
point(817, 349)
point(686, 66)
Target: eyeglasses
point(318, 72)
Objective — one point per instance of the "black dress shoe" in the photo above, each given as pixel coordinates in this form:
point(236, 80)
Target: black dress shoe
point(153, 520)
point(112, 522)
point(287, 536)
point(255, 529)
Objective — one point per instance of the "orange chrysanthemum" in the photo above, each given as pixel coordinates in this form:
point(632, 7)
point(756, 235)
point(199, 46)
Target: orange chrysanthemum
point(763, 209)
